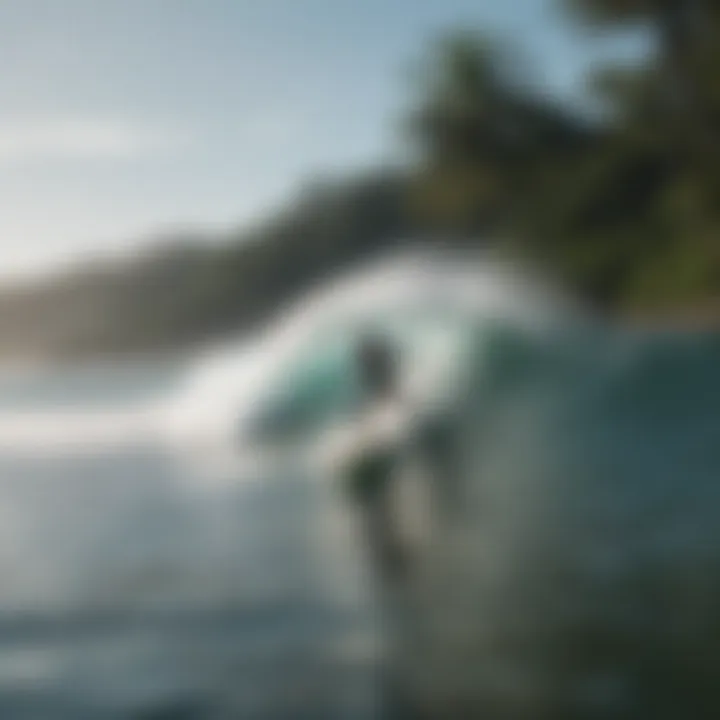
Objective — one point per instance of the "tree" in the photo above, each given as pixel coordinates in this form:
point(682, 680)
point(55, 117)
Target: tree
point(480, 133)
point(685, 77)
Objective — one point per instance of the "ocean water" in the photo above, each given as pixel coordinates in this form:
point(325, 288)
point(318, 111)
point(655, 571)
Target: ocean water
point(579, 574)
point(158, 561)
point(133, 587)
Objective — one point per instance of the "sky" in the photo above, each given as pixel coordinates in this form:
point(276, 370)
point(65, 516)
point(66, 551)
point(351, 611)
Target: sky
point(122, 121)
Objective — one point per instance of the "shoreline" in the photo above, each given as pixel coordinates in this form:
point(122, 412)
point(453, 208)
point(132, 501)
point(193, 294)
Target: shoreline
point(703, 318)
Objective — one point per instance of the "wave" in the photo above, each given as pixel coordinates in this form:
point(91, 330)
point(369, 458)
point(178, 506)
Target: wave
point(204, 407)
point(437, 302)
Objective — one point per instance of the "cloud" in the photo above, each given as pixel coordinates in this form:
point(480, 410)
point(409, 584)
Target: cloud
point(81, 138)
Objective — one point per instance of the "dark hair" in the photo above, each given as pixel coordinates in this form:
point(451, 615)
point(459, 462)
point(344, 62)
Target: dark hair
point(377, 364)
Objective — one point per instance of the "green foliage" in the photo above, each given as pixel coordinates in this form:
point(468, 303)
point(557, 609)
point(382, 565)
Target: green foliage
point(610, 11)
point(628, 210)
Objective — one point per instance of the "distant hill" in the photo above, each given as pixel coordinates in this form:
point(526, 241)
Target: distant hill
point(194, 288)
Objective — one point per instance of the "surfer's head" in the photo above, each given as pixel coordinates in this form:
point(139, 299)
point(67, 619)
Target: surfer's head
point(377, 364)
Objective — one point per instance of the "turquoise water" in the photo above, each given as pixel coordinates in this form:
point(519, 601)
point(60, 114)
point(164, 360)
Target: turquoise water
point(586, 566)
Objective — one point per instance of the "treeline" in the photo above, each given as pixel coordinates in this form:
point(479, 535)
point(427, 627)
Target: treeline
point(622, 202)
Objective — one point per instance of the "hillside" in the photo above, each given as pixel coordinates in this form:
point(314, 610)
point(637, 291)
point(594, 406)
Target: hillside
point(185, 291)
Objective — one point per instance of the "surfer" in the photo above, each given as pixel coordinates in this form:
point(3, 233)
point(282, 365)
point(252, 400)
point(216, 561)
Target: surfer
point(396, 460)
point(399, 444)
point(373, 468)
